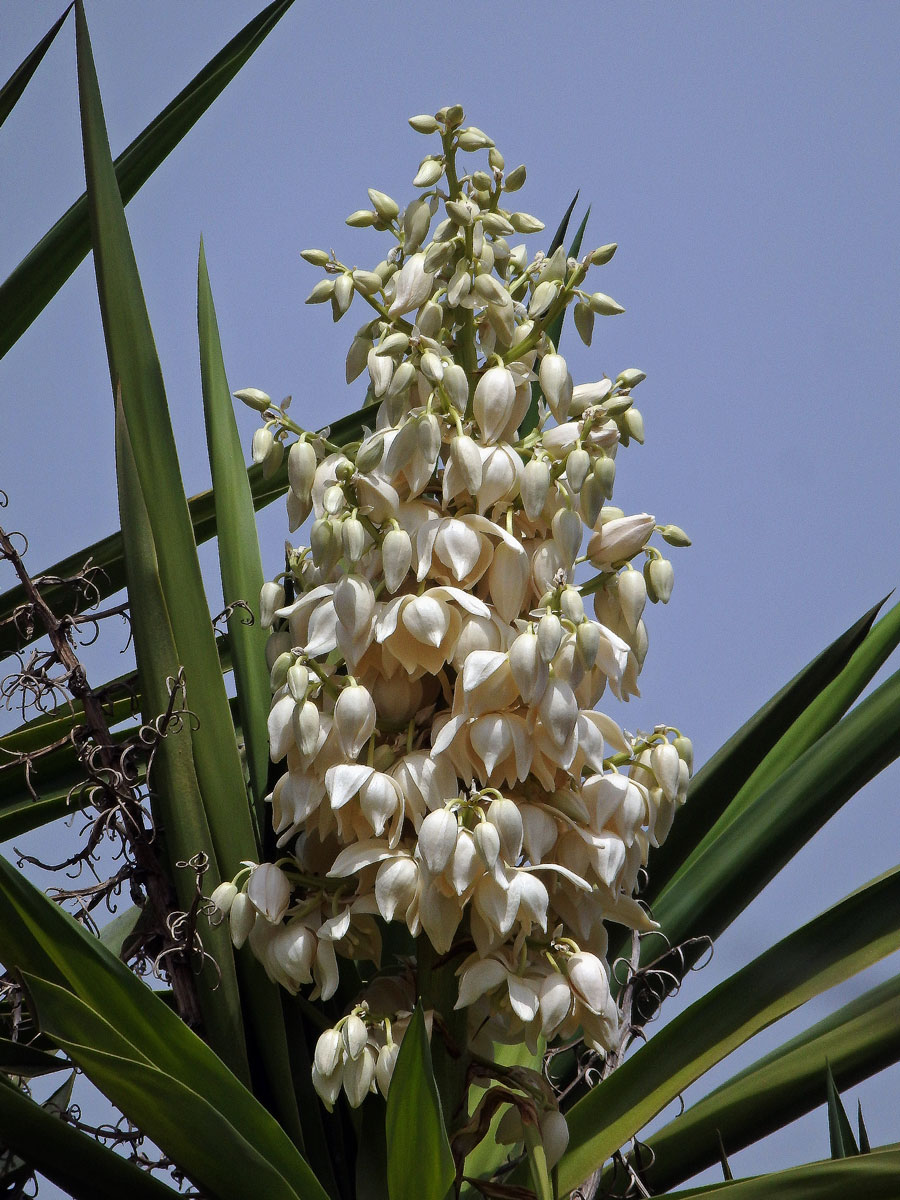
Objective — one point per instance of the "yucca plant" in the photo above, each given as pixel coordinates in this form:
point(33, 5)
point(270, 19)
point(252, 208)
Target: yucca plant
point(386, 968)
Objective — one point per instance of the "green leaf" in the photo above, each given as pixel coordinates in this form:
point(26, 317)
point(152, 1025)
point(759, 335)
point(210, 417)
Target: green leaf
point(712, 888)
point(239, 558)
point(845, 939)
point(176, 801)
point(18, 81)
point(840, 1132)
point(78, 1164)
point(420, 1162)
point(40, 939)
point(115, 933)
point(228, 1159)
point(106, 553)
point(818, 717)
point(715, 785)
point(44, 270)
point(864, 1147)
point(16, 1058)
point(859, 1039)
point(875, 1176)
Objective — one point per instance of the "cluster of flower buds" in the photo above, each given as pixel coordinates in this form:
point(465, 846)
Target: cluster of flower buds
point(434, 672)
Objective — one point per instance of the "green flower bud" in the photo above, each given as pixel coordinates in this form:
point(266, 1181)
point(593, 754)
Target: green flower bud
point(685, 748)
point(634, 425)
point(525, 222)
point(253, 398)
point(495, 158)
point(429, 172)
point(386, 208)
point(323, 291)
point(362, 218)
point(514, 179)
point(604, 305)
point(343, 293)
point(578, 464)
point(318, 258)
point(605, 474)
point(367, 282)
point(601, 256)
point(424, 123)
point(630, 378)
point(279, 673)
point(473, 139)
point(453, 116)
point(370, 455)
point(584, 322)
point(674, 535)
point(663, 578)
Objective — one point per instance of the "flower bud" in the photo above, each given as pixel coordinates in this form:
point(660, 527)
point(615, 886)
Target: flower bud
point(584, 322)
point(493, 401)
point(279, 672)
point(604, 305)
point(301, 468)
point(473, 139)
point(456, 384)
point(514, 179)
point(327, 1056)
point(663, 578)
point(298, 681)
point(381, 370)
point(591, 497)
point(306, 727)
point(424, 123)
point(325, 543)
point(412, 285)
point(353, 539)
point(343, 294)
point(396, 557)
point(354, 718)
point(535, 487)
point(571, 605)
point(253, 398)
point(633, 424)
point(630, 378)
point(384, 1066)
point(524, 222)
point(556, 384)
point(567, 530)
point(323, 291)
point(632, 592)
point(437, 839)
point(504, 815)
point(601, 256)
point(222, 899)
point(542, 297)
point(318, 258)
point(243, 918)
point(674, 535)
point(664, 760)
point(487, 843)
point(263, 441)
point(578, 463)
point(685, 750)
point(549, 635)
point(528, 667)
point(587, 642)
point(361, 218)
point(271, 598)
point(395, 886)
point(369, 455)
point(429, 172)
point(386, 208)
point(354, 1036)
point(359, 1074)
point(464, 453)
point(269, 891)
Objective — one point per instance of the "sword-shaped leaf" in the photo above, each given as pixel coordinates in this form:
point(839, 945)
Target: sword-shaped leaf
point(18, 81)
point(874, 1176)
point(858, 931)
point(44, 270)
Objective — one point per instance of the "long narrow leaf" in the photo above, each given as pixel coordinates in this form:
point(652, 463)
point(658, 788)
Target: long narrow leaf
point(18, 81)
point(106, 554)
point(819, 716)
point(44, 270)
point(420, 1162)
point(239, 558)
point(875, 1176)
point(840, 1131)
point(75, 1162)
point(849, 937)
point(719, 780)
point(177, 804)
point(859, 1039)
point(228, 1160)
point(713, 888)
point(37, 937)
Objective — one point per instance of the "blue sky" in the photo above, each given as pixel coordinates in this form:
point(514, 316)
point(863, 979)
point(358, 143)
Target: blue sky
point(744, 158)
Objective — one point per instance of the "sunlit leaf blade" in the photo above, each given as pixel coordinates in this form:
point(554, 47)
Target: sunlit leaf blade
point(228, 1160)
point(116, 933)
point(176, 800)
point(239, 558)
point(78, 1164)
point(38, 938)
point(18, 81)
point(420, 1162)
point(719, 780)
point(858, 1040)
point(842, 941)
point(44, 270)
point(874, 1176)
point(25, 815)
point(819, 716)
point(840, 1132)
point(713, 888)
